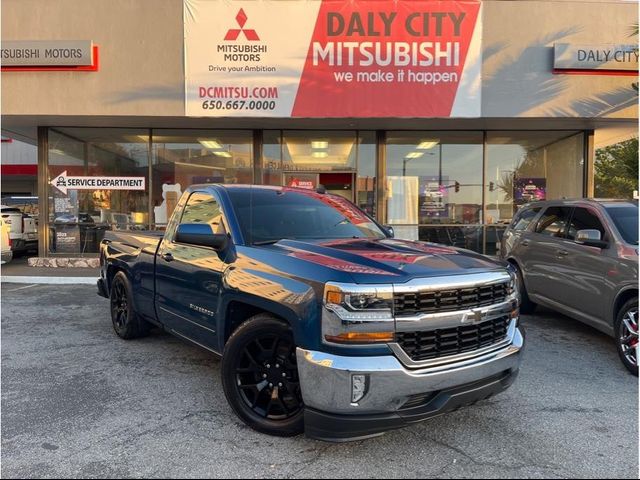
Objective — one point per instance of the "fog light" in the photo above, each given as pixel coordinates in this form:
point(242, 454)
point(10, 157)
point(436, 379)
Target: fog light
point(358, 387)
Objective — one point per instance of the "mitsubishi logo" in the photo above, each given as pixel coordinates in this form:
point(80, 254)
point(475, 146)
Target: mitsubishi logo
point(234, 33)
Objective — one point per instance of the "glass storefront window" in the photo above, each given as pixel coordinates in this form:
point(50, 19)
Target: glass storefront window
point(318, 151)
point(186, 157)
point(433, 178)
point(272, 157)
point(366, 176)
point(308, 159)
point(78, 218)
point(433, 189)
point(527, 166)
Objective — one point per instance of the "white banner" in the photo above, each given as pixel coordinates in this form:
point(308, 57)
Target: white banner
point(332, 58)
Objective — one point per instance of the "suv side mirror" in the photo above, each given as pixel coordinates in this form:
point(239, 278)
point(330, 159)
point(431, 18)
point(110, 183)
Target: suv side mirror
point(590, 238)
point(202, 235)
point(389, 230)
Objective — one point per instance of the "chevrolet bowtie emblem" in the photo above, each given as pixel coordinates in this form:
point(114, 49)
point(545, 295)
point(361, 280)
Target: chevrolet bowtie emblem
point(477, 316)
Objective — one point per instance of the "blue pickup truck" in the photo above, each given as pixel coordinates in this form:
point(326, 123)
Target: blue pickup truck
point(325, 323)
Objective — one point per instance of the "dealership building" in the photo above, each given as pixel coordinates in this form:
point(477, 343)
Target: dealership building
point(440, 118)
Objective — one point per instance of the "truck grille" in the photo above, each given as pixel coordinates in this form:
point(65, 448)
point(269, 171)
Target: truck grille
point(452, 341)
point(414, 303)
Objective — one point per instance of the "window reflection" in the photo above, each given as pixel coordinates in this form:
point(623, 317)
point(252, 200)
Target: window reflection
point(433, 178)
point(186, 157)
point(527, 166)
point(78, 218)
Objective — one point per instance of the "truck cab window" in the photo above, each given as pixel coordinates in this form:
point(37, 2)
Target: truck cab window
point(203, 208)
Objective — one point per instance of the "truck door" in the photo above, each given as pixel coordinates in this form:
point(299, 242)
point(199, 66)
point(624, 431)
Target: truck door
point(188, 277)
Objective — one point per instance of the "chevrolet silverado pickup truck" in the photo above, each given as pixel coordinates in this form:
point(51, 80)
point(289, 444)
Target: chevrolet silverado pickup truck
point(325, 323)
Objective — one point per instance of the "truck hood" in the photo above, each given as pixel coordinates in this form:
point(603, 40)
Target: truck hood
point(386, 260)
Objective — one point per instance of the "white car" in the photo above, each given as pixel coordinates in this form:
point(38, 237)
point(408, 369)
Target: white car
point(5, 242)
point(24, 229)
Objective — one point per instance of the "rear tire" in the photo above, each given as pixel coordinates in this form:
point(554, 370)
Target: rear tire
point(626, 335)
point(260, 377)
point(126, 322)
point(526, 305)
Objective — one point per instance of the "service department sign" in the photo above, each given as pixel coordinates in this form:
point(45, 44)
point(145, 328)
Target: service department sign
point(333, 58)
point(623, 58)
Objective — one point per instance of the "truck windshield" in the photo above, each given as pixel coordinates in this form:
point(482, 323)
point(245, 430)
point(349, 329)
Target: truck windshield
point(269, 215)
point(625, 217)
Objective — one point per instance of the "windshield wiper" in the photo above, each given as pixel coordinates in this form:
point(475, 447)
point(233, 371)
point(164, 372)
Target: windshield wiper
point(266, 242)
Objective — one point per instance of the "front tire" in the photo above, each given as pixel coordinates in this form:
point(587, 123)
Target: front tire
point(126, 322)
point(260, 377)
point(626, 331)
point(526, 305)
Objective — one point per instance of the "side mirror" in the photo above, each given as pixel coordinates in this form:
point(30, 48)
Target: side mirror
point(590, 238)
point(390, 231)
point(202, 235)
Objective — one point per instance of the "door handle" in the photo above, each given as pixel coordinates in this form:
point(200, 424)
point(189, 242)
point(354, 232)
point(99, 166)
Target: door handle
point(525, 243)
point(563, 253)
point(167, 257)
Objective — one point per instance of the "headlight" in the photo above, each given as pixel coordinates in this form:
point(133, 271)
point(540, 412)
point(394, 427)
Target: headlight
point(356, 314)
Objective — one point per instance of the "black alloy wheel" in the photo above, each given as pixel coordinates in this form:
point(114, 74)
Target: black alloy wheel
point(260, 376)
point(626, 332)
point(126, 322)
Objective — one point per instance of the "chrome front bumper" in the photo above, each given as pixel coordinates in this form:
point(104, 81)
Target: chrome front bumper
point(326, 381)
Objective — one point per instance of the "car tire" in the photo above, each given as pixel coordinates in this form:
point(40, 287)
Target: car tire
point(126, 322)
point(526, 305)
point(260, 377)
point(626, 335)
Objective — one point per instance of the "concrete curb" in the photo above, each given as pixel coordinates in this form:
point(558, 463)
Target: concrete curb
point(50, 280)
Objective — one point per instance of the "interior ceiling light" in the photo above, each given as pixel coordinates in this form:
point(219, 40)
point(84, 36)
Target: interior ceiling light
point(414, 155)
point(223, 154)
point(211, 144)
point(319, 144)
point(319, 154)
point(427, 144)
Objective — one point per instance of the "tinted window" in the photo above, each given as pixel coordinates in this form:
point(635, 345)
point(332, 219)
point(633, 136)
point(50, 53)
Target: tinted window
point(524, 218)
point(625, 218)
point(271, 215)
point(553, 221)
point(203, 208)
point(584, 219)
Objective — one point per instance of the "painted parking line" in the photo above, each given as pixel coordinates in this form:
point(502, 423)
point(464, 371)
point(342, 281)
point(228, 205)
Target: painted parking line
point(50, 280)
point(22, 288)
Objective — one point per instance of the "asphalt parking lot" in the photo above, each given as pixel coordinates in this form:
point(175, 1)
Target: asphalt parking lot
point(79, 402)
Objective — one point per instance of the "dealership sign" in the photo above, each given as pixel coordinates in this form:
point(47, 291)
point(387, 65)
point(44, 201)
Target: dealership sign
point(611, 58)
point(332, 58)
point(63, 183)
point(49, 54)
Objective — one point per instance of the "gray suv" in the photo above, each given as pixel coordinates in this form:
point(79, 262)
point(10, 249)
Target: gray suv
point(580, 257)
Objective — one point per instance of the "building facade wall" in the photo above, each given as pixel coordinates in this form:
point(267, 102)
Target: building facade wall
point(141, 69)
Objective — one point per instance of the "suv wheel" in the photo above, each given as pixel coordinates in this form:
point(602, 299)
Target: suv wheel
point(626, 330)
point(526, 305)
point(126, 322)
point(260, 377)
